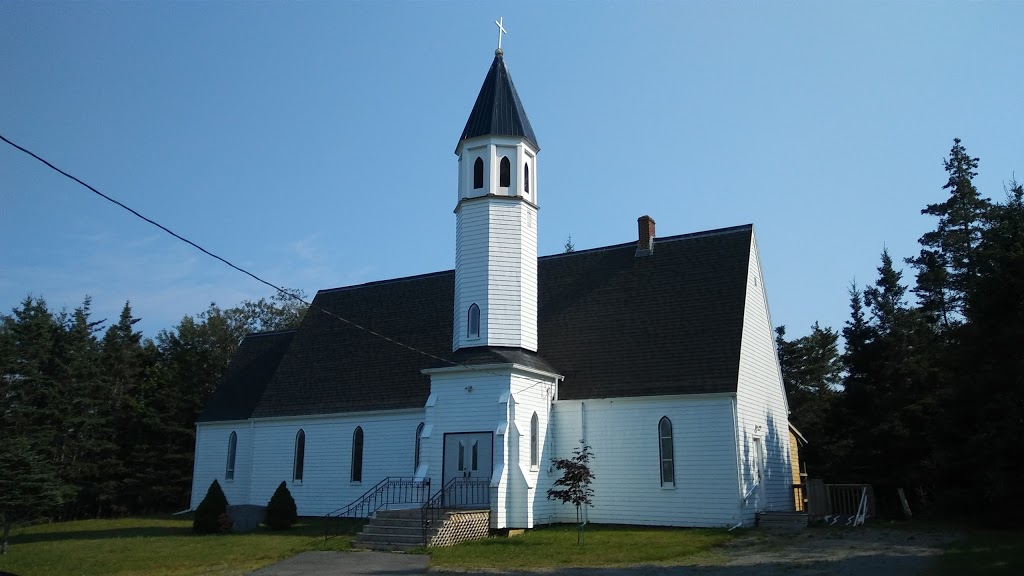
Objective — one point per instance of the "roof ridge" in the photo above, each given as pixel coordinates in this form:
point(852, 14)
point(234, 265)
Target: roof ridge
point(386, 281)
point(270, 333)
point(658, 240)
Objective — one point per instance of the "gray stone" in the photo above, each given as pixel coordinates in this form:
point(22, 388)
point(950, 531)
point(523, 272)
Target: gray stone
point(246, 517)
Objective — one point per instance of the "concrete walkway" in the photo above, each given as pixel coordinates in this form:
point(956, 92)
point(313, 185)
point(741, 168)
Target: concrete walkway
point(348, 564)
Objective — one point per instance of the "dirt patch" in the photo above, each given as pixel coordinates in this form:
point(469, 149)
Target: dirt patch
point(865, 551)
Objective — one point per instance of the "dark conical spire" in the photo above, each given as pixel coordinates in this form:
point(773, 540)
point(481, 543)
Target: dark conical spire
point(498, 110)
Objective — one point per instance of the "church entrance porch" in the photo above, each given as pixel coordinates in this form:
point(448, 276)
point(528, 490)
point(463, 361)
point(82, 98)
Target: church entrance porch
point(468, 461)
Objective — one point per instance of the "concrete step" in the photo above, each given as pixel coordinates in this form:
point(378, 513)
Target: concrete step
point(390, 538)
point(782, 520)
point(396, 530)
point(385, 546)
point(397, 522)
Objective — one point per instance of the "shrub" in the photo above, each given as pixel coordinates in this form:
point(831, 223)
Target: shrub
point(281, 511)
point(208, 513)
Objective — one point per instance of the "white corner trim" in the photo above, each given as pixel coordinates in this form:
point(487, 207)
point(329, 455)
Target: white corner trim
point(500, 430)
point(531, 483)
point(431, 400)
point(503, 399)
point(499, 469)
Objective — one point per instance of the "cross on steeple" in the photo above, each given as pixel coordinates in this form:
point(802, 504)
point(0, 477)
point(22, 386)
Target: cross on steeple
point(501, 30)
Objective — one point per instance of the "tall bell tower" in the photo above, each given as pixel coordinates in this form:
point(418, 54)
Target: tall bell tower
point(496, 220)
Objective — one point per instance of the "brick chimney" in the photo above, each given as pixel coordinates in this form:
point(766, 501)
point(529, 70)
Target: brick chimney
point(645, 245)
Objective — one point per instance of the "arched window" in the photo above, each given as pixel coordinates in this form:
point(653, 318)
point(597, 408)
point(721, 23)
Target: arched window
point(474, 321)
point(526, 178)
point(478, 173)
point(534, 448)
point(505, 173)
point(668, 466)
point(357, 455)
point(229, 471)
point(416, 455)
point(300, 455)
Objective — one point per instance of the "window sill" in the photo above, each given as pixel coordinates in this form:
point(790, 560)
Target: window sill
point(672, 487)
point(356, 483)
point(296, 482)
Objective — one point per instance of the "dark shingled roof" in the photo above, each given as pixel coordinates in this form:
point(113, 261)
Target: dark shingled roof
point(498, 110)
point(247, 376)
point(613, 324)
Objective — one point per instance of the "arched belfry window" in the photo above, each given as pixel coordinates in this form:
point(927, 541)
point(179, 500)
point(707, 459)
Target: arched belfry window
point(300, 456)
point(229, 471)
point(668, 465)
point(478, 174)
point(526, 178)
point(534, 446)
point(505, 173)
point(357, 454)
point(474, 321)
point(416, 454)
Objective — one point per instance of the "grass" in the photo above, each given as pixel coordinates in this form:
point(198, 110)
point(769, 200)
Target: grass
point(984, 553)
point(159, 546)
point(555, 547)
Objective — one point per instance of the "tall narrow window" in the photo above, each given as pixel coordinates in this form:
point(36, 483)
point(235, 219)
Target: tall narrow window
point(475, 447)
point(478, 174)
point(416, 454)
point(668, 467)
point(462, 456)
point(505, 173)
point(300, 455)
point(357, 455)
point(474, 321)
point(526, 178)
point(534, 448)
point(229, 472)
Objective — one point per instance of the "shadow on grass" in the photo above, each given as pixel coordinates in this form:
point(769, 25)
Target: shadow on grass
point(307, 527)
point(873, 565)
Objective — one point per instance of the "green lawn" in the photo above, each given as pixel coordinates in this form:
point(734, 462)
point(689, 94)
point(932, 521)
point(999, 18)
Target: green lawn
point(984, 553)
point(555, 547)
point(156, 546)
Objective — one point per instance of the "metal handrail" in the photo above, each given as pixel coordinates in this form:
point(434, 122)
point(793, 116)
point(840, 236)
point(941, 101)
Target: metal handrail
point(457, 493)
point(385, 493)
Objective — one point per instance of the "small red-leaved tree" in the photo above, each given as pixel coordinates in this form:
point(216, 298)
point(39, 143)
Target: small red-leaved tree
point(574, 484)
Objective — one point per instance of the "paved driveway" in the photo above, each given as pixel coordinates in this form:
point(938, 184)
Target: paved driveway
point(348, 564)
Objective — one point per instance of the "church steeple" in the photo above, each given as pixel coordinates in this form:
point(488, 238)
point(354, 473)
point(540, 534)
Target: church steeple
point(496, 220)
point(498, 110)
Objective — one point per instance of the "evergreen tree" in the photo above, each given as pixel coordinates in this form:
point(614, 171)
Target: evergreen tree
point(208, 515)
point(811, 371)
point(281, 510)
point(947, 263)
point(986, 401)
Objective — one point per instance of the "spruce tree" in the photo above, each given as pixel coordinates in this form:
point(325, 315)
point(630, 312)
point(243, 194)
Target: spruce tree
point(208, 514)
point(281, 510)
point(947, 263)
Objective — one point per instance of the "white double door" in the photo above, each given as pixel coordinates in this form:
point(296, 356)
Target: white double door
point(468, 461)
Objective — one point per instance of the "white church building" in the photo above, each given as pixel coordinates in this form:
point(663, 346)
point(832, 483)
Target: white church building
point(658, 353)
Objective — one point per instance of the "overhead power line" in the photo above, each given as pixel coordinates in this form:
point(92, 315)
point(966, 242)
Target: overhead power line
point(279, 289)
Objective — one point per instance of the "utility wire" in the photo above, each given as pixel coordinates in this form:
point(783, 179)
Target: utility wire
point(254, 276)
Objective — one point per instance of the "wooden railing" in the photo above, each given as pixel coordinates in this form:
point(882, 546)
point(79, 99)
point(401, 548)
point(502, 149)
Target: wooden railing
point(837, 500)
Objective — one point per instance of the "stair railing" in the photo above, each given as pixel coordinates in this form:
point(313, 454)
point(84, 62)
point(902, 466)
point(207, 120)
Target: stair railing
point(385, 493)
point(457, 493)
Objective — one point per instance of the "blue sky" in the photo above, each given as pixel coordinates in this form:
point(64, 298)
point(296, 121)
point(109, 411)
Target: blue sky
point(313, 142)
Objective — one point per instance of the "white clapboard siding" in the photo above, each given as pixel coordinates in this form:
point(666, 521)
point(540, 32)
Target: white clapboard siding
point(496, 268)
point(761, 402)
point(623, 436)
point(471, 228)
point(532, 394)
point(466, 401)
point(212, 459)
point(388, 446)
